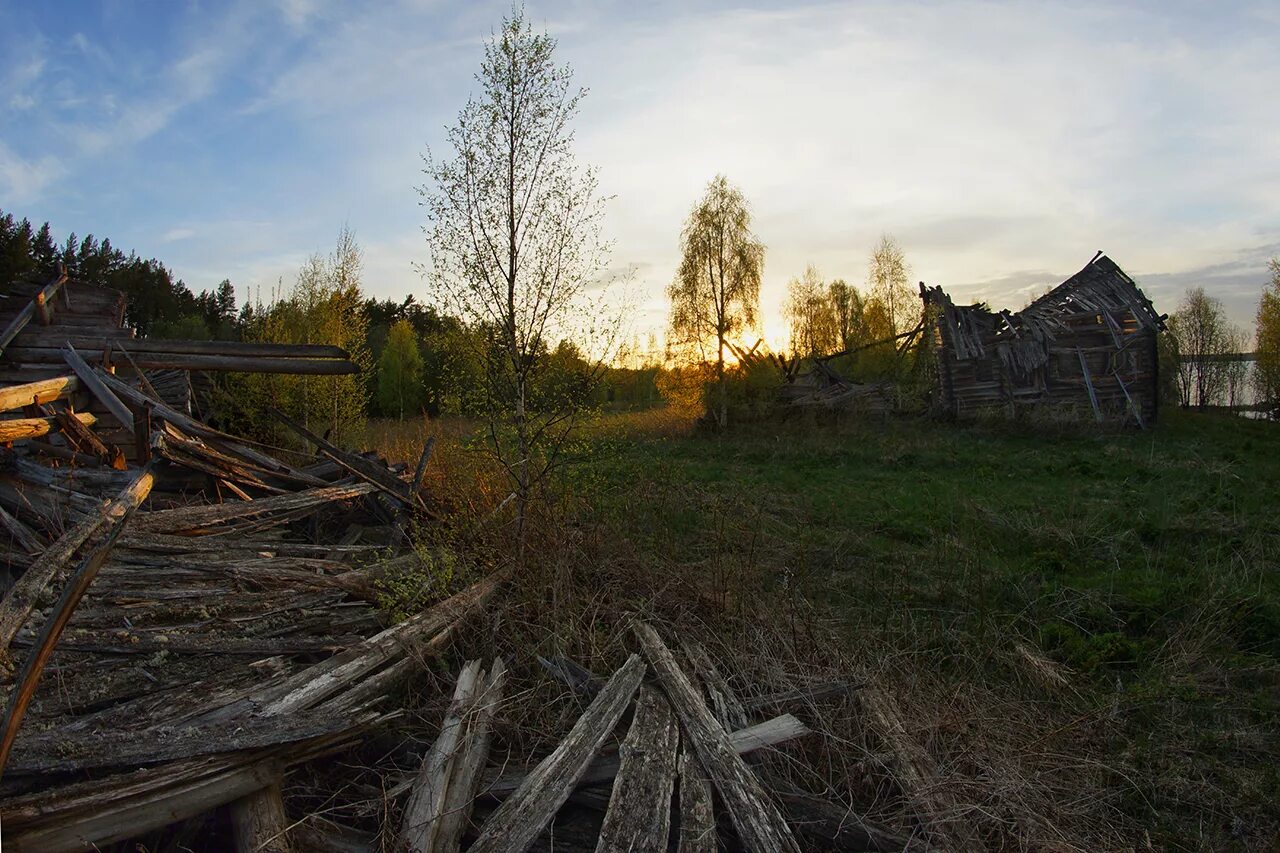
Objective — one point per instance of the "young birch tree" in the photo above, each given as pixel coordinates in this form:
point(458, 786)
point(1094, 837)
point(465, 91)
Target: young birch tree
point(1201, 335)
point(716, 291)
point(514, 235)
point(887, 281)
point(1267, 342)
point(815, 328)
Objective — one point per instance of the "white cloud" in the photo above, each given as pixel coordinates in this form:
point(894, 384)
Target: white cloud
point(175, 234)
point(21, 180)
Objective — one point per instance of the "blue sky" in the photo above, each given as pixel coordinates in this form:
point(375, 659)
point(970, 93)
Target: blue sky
point(1002, 144)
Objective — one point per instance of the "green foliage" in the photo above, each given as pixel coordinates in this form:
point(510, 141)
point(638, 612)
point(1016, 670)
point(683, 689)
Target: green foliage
point(400, 371)
point(1267, 342)
point(414, 585)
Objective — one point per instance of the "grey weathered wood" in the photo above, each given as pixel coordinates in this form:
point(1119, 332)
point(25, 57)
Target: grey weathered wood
point(605, 767)
point(24, 315)
point(439, 805)
point(758, 821)
point(517, 822)
point(111, 521)
point(24, 537)
point(260, 823)
point(639, 815)
point(697, 820)
point(200, 517)
point(192, 361)
point(371, 472)
point(104, 395)
point(1088, 384)
point(724, 702)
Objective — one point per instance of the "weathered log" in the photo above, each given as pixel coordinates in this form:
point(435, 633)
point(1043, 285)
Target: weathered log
point(90, 380)
point(519, 820)
point(43, 391)
point(191, 361)
point(728, 710)
point(260, 823)
point(758, 821)
point(24, 537)
point(370, 472)
point(98, 340)
point(17, 429)
point(639, 815)
point(199, 518)
point(112, 520)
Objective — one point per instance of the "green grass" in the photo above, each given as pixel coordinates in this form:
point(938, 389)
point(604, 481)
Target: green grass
point(1143, 563)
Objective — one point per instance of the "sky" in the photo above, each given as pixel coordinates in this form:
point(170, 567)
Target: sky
point(1001, 144)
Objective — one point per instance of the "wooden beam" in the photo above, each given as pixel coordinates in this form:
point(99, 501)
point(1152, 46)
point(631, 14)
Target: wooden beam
point(260, 823)
point(639, 815)
point(186, 361)
point(23, 317)
point(371, 472)
point(43, 391)
point(90, 380)
point(35, 338)
point(518, 821)
point(697, 821)
point(16, 429)
point(759, 822)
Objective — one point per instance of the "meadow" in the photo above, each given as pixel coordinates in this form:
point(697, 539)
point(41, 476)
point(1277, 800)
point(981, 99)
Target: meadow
point(1089, 617)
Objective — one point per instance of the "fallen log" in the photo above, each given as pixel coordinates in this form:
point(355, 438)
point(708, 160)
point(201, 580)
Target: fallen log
point(43, 391)
point(199, 518)
point(519, 820)
point(90, 380)
point(371, 472)
point(18, 429)
point(755, 817)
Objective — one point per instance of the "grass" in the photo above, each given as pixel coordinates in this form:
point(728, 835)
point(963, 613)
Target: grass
point(1081, 626)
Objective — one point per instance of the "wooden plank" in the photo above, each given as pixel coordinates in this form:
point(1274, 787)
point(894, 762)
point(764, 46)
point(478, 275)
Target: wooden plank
point(43, 391)
point(101, 392)
point(17, 429)
point(697, 820)
point(639, 815)
point(728, 710)
point(518, 821)
point(259, 822)
point(24, 537)
point(24, 315)
point(199, 517)
point(371, 472)
point(1088, 384)
point(439, 806)
point(191, 361)
point(757, 819)
point(109, 524)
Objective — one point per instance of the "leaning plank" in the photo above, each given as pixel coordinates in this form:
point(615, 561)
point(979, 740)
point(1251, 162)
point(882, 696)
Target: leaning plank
point(639, 815)
point(439, 806)
point(28, 310)
point(85, 373)
point(44, 391)
point(728, 709)
point(200, 517)
point(21, 598)
point(519, 820)
point(17, 429)
point(697, 821)
point(114, 516)
point(757, 819)
point(260, 823)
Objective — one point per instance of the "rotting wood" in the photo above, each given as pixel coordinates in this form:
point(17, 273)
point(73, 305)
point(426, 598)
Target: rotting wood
point(198, 518)
point(639, 815)
point(724, 702)
point(362, 468)
point(90, 380)
point(114, 516)
point(519, 820)
point(758, 821)
point(697, 818)
point(260, 823)
point(41, 391)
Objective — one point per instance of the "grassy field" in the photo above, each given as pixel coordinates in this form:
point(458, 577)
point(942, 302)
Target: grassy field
point(1092, 616)
point(1135, 576)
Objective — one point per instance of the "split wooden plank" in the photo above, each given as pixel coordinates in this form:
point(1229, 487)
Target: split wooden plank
point(697, 820)
point(21, 598)
point(724, 702)
point(518, 821)
point(639, 815)
point(43, 391)
point(19, 322)
point(90, 380)
point(112, 520)
point(757, 819)
point(439, 806)
point(260, 823)
point(17, 429)
point(371, 472)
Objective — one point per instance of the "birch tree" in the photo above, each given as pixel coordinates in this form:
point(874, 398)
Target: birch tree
point(815, 328)
point(514, 236)
point(1267, 340)
point(887, 281)
point(716, 291)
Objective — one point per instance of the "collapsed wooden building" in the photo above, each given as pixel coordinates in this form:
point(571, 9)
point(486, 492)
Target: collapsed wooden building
point(1087, 348)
